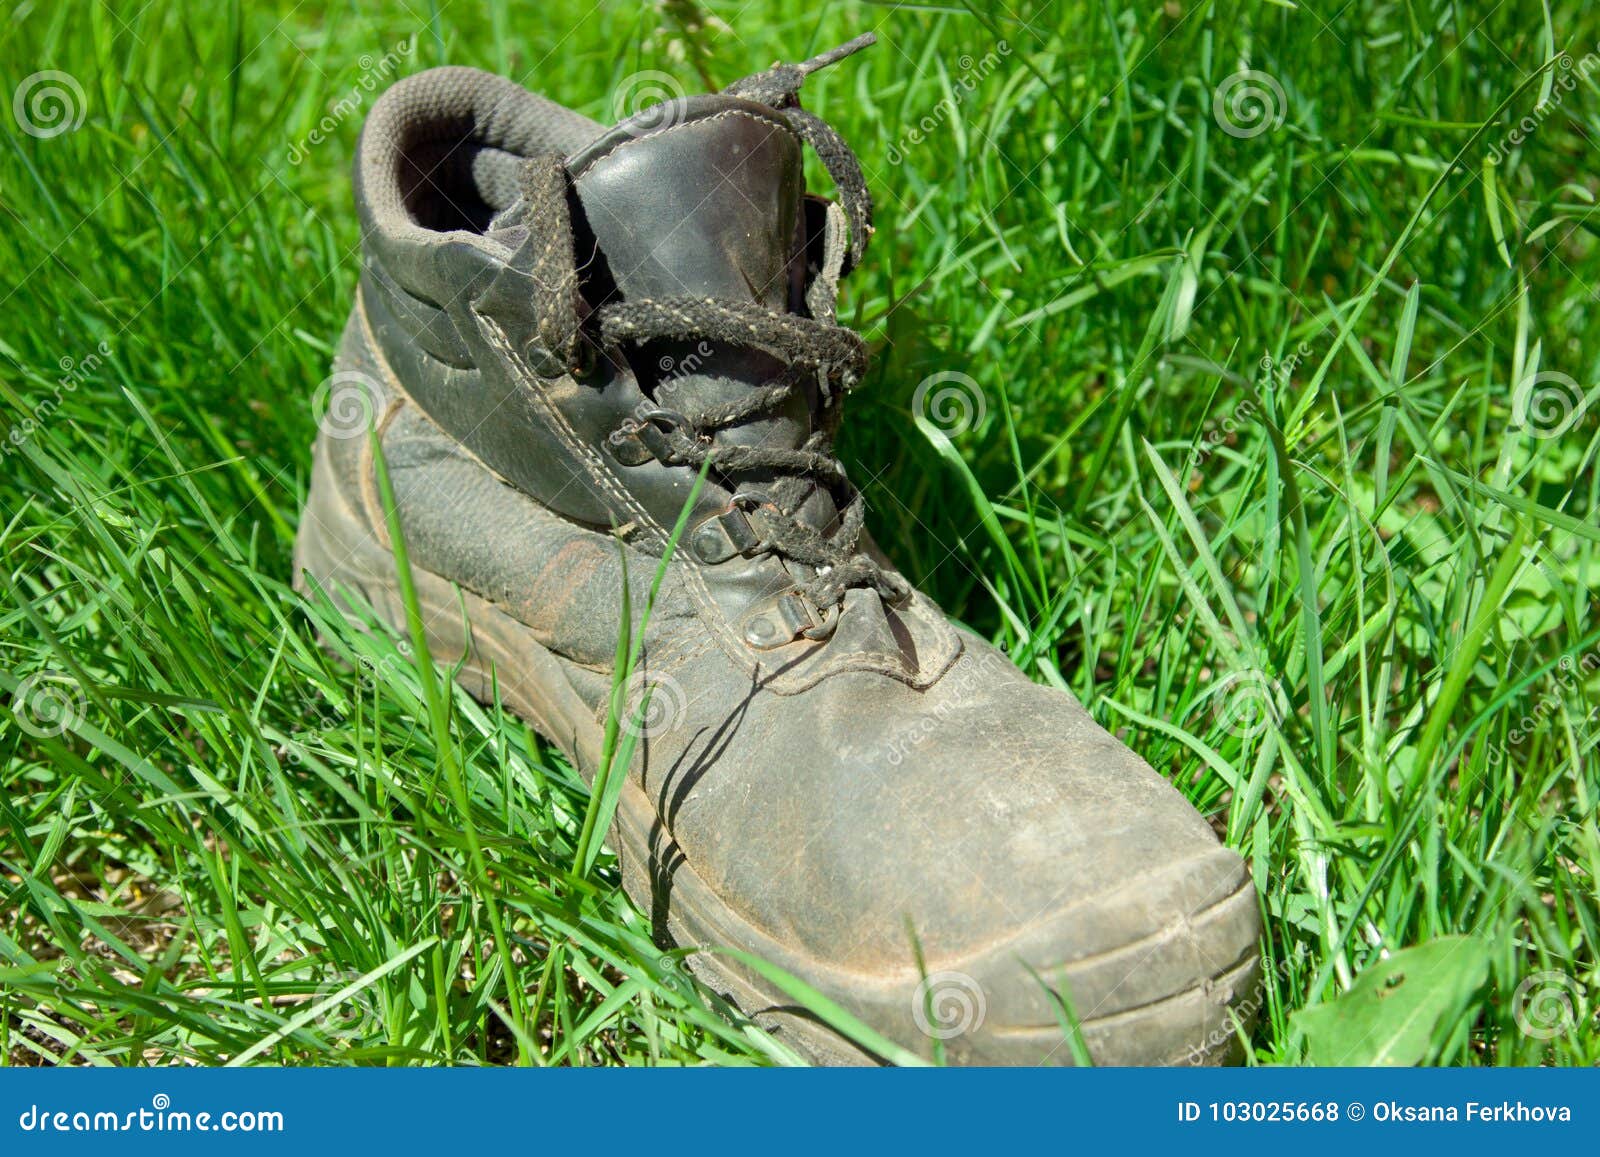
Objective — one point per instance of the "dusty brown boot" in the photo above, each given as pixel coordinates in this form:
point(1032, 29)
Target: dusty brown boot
point(557, 324)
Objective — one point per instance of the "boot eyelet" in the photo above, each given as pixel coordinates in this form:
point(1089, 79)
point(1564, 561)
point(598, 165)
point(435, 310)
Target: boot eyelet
point(765, 632)
point(786, 618)
point(823, 628)
point(726, 535)
point(662, 418)
point(585, 360)
point(644, 436)
point(709, 544)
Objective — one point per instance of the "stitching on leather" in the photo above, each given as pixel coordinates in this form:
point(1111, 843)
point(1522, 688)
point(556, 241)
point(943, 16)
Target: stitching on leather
point(392, 380)
point(620, 146)
point(397, 402)
point(684, 656)
point(585, 454)
point(588, 457)
point(692, 579)
point(788, 682)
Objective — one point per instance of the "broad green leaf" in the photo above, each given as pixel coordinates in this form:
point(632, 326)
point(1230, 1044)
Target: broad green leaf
point(1393, 1012)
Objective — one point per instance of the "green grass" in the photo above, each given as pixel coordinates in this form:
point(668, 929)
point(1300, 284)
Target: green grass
point(1252, 477)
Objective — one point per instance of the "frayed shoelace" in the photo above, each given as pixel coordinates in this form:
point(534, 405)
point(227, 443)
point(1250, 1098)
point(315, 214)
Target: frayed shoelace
point(836, 355)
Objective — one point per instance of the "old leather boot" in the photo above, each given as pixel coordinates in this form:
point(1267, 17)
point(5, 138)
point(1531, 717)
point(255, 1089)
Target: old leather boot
point(557, 324)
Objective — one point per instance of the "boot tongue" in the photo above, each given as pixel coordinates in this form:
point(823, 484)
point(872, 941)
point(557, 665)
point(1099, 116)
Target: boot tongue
point(701, 197)
point(696, 198)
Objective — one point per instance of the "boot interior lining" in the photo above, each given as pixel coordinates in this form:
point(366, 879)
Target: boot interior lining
point(441, 150)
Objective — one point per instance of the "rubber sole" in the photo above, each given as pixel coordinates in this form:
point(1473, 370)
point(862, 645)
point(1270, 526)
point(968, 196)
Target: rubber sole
point(1190, 1025)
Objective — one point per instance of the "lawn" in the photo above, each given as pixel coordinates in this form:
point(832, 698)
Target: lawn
point(1233, 369)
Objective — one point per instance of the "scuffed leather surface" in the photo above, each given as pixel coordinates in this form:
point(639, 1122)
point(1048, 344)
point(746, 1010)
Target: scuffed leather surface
point(704, 207)
point(707, 206)
point(977, 809)
point(459, 349)
point(840, 798)
point(974, 810)
point(543, 437)
point(562, 581)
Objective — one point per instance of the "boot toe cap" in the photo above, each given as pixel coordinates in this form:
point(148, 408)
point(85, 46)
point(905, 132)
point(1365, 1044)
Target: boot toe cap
point(1158, 970)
